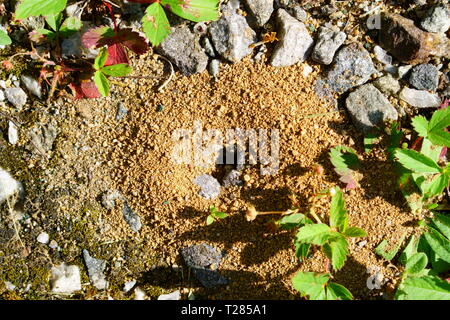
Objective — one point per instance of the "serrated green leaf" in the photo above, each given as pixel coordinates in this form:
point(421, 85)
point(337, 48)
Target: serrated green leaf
point(314, 233)
point(420, 124)
point(439, 244)
point(301, 250)
point(410, 250)
point(416, 263)
point(439, 121)
point(155, 24)
point(28, 8)
point(336, 291)
point(117, 70)
point(338, 214)
point(416, 161)
point(293, 221)
point(424, 288)
point(345, 161)
point(101, 58)
point(70, 26)
point(311, 284)
point(209, 220)
point(388, 255)
point(430, 150)
point(369, 142)
point(337, 251)
point(50, 35)
point(434, 187)
point(355, 232)
point(395, 138)
point(4, 38)
point(102, 83)
point(54, 21)
point(194, 10)
point(437, 263)
point(442, 222)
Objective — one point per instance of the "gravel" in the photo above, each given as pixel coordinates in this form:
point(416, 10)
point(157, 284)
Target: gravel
point(43, 237)
point(32, 85)
point(13, 133)
point(387, 85)
point(17, 97)
point(424, 77)
point(65, 279)
point(294, 43)
point(214, 67)
point(132, 218)
point(369, 108)
point(437, 19)
point(260, 10)
point(420, 98)
point(210, 187)
point(95, 267)
point(327, 44)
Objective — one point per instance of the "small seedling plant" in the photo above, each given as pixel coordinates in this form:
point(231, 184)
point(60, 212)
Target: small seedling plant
point(423, 176)
point(317, 286)
point(215, 215)
point(89, 80)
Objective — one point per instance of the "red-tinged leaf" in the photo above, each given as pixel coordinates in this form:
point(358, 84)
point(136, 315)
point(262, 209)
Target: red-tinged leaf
point(116, 55)
point(143, 1)
point(132, 40)
point(91, 38)
point(85, 90)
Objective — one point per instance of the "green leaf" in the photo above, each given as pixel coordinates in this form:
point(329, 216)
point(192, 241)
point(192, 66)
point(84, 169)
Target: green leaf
point(194, 10)
point(314, 233)
point(54, 21)
point(345, 161)
point(439, 121)
point(155, 24)
point(437, 263)
point(388, 255)
point(209, 220)
point(47, 33)
point(424, 288)
point(430, 150)
point(435, 187)
point(311, 284)
point(416, 161)
point(337, 250)
point(28, 8)
point(293, 220)
point(301, 250)
point(439, 244)
point(416, 263)
point(220, 215)
point(395, 138)
point(338, 214)
point(4, 38)
point(355, 232)
point(101, 58)
point(420, 124)
point(410, 250)
point(442, 222)
point(370, 141)
point(117, 70)
point(70, 26)
point(102, 83)
point(336, 291)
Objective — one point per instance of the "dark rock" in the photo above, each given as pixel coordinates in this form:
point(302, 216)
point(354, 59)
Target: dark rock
point(132, 218)
point(424, 77)
point(182, 47)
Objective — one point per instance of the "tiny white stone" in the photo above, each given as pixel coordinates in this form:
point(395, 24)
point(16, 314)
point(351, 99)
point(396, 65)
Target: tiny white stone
point(65, 279)
point(53, 244)
point(9, 286)
point(139, 294)
point(8, 185)
point(171, 296)
point(13, 133)
point(307, 69)
point(129, 285)
point(43, 237)
point(2, 95)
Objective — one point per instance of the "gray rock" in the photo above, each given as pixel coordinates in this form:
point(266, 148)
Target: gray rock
point(32, 85)
point(214, 66)
point(210, 187)
point(122, 111)
point(132, 218)
point(16, 96)
point(437, 19)
point(327, 44)
point(261, 10)
point(299, 13)
point(95, 267)
point(295, 42)
point(352, 67)
point(387, 85)
point(110, 197)
point(420, 98)
point(13, 134)
point(369, 108)
point(233, 178)
point(182, 47)
point(231, 35)
point(208, 47)
point(424, 77)
point(204, 261)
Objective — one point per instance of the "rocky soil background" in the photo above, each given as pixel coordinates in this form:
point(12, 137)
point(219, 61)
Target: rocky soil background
point(377, 60)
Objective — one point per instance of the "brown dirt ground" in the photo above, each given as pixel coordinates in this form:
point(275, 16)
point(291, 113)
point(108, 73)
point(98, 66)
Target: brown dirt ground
point(258, 262)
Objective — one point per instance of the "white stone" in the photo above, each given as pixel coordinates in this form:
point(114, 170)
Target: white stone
point(307, 69)
point(129, 285)
point(420, 98)
point(43, 237)
point(9, 286)
point(8, 185)
point(139, 294)
point(65, 279)
point(170, 296)
point(13, 133)
point(2, 95)
point(53, 244)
